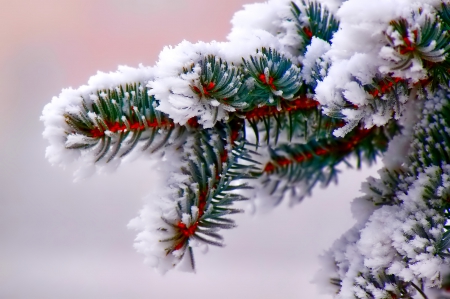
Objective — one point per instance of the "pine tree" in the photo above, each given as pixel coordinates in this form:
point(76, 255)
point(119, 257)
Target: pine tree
point(299, 88)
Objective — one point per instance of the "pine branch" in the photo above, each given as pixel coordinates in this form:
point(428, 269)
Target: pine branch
point(414, 60)
point(321, 23)
point(201, 103)
point(220, 82)
point(213, 169)
point(114, 121)
point(274, 78)
point(413, 206)
point(299, 119)
point(428, 44)
point(206, 191)
point(302, 166)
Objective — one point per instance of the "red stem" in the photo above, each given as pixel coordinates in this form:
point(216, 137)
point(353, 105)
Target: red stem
point(301, 103)
point(385, 86)
point(189, 231)
point(343, 148)
point(116, 126)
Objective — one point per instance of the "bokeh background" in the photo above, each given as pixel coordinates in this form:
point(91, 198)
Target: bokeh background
point(60, 239)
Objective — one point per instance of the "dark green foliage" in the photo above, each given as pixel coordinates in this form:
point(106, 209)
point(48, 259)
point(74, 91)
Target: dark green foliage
point(432, 144)
point(212, 163)
point(321, 23)
point(114, 121)
point(431, 148)
point(444, 15)
point(405, 289)
point(299, 120)
point(384, 281)
point(305, 165)
point(427, 167)
point(429, 44)
point(268, 94)
point(221, 82)
point(274, 78)
point(383, 191)
point(318, 73)
point(388, 93)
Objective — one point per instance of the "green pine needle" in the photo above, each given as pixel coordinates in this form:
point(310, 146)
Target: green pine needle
point(115, 121)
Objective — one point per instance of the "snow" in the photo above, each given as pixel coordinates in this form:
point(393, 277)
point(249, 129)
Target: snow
point(401, 237)
point(359, 51)
point(70, 100)
point(314, 51)
point(160, 203)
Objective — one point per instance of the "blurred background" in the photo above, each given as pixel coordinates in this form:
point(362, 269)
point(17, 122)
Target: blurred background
point(60, 239)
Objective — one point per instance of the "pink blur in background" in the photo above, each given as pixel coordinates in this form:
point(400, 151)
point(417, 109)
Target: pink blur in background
point(61, 239)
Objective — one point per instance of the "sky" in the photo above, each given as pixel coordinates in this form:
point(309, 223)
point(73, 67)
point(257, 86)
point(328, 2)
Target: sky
point(61, 239)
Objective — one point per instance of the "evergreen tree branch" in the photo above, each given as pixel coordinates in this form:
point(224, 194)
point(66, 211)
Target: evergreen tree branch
point(298, 120)
point(297, 168)
point(414, 215)
point(311, 75)
point(320, 22)
point(210, 175)
point(114, 121)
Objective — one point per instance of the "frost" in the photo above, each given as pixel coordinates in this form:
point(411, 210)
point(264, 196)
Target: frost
point(152, 224)
point(69, 101)
point(358, 54)
point(402, 236)
point(314, 51)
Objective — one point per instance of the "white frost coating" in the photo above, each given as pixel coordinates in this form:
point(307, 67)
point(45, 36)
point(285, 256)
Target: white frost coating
point(399, 238)
point(332, 5)
point(388, 237)
point(161, 203)
point(359, 51)
point(274, 17)
point(247, 44)
point(173, 59)
point(314, 51)
point(69, 100)
point(168, 224)
point(262, 16)
point(343, 259)
point(259, 25)
point(260, 198)
point(173, 87)
point(384, 236)
point(398, 147)
point(270, 18)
